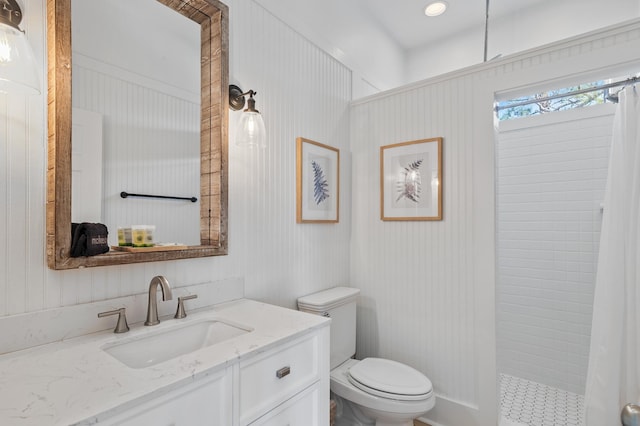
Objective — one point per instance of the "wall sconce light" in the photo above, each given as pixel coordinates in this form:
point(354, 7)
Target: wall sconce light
point(250, 131)
point(18, 69)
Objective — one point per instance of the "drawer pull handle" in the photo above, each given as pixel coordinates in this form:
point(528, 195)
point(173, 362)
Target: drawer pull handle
point(284, 371)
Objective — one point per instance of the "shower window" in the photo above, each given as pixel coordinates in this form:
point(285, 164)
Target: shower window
point(540, 103)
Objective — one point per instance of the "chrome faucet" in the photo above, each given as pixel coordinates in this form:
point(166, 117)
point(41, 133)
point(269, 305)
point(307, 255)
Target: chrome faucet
point(152, 307)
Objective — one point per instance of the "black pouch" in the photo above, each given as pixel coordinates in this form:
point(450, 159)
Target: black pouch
point(88, 239)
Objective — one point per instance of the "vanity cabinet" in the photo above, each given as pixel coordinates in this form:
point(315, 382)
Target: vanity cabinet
point(286, 384)
point(204, 402)
point(273, 374)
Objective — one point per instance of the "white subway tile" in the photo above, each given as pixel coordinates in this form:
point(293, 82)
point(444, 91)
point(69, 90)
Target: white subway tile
point(551, 181)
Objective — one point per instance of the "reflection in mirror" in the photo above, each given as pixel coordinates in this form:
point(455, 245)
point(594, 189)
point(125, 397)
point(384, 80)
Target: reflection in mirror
point(150, 79)
point(136, 105)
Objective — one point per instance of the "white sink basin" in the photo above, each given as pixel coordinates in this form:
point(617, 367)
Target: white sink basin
point(171, 343)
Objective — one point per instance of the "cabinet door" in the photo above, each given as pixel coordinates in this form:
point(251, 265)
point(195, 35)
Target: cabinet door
point(207, 402)
point(302, 409)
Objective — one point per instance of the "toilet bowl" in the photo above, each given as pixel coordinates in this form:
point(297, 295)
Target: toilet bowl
point(392, 394)
point(373, 391)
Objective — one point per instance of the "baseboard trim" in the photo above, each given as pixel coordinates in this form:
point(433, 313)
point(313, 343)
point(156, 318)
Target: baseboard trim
point(452, 413)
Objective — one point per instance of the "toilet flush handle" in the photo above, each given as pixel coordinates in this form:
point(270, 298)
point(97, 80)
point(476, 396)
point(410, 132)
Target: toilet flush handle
point(326, 314)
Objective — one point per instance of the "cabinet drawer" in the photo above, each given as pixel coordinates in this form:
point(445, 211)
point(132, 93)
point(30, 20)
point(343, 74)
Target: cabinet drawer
point(275, 376)
point(302, 409)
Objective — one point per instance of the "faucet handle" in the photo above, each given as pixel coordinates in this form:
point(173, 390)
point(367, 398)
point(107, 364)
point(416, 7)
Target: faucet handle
point(121, 326)
point(181, 313)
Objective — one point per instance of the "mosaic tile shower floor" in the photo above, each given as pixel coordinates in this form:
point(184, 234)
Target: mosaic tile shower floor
point(527, 403)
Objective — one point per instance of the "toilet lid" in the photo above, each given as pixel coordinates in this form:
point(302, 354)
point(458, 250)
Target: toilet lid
point(390, 379)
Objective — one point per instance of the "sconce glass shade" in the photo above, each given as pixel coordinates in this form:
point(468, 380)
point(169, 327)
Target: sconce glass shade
point(18, 69)
point(251, 131)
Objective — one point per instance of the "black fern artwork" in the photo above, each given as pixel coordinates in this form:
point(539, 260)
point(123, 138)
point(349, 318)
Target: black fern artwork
point(410, 186)
point(320, 185)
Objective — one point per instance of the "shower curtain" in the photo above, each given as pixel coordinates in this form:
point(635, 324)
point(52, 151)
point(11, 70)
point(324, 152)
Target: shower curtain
point(613, 378)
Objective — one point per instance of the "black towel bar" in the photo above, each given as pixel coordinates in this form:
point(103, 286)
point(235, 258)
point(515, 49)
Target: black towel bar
point(125, 194)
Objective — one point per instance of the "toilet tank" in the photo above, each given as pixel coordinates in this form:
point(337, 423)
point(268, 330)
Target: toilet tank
point(338, 303)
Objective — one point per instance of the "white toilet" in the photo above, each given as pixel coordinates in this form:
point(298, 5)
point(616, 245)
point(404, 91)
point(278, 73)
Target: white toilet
point(372, 391)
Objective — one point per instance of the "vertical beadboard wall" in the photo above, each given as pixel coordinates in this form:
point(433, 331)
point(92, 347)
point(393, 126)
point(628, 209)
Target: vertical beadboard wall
point(417, 277)
point(428, 288)
point(551, 177)
point(22, 183)
point(301, 91)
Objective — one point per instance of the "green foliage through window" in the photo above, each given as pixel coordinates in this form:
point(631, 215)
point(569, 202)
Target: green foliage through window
point(539, 105)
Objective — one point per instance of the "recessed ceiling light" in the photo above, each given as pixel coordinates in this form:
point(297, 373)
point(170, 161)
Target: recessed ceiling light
point(436, 8)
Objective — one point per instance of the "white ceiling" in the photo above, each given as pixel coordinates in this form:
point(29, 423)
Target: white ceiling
point(405, 22)
point(389, 43)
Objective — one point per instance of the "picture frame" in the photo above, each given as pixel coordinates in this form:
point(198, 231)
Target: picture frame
point(404, 168)
point(317, 182)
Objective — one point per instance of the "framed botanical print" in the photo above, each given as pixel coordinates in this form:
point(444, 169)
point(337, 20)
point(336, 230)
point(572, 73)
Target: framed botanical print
point(317, 182)
point(411, 180)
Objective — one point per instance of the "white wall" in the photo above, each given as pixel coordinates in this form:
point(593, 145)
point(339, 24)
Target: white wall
point(277, 259)
point(428, 288)
point(347, 33)
point(528, 28)
point(551, 177)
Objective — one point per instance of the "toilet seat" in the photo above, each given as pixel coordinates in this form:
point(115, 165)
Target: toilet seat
point(342, 387)
point(390, 379)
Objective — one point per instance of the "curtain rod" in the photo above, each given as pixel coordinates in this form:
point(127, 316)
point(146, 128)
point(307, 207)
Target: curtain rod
point(486, 31)
point(626, 82)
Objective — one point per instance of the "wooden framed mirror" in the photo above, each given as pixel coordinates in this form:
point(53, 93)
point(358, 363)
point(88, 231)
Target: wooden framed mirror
point(212, 17)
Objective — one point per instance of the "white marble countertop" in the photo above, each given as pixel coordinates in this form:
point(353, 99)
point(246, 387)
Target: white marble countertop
point(75, 382)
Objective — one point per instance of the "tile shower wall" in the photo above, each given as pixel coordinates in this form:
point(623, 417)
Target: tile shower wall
point(551, 176)
point(277, 259)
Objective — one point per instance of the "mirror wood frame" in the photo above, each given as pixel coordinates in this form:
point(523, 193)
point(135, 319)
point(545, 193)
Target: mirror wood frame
point(213, 18)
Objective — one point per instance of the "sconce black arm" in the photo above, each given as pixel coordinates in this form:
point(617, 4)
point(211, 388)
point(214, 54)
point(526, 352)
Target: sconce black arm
point(236, 97)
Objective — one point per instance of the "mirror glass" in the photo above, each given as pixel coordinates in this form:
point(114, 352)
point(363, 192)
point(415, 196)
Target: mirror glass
point(136, 117)
point(150, 117)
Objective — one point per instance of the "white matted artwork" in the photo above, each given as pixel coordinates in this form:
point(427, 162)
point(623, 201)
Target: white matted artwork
point(411, 180)
point(318, 182)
